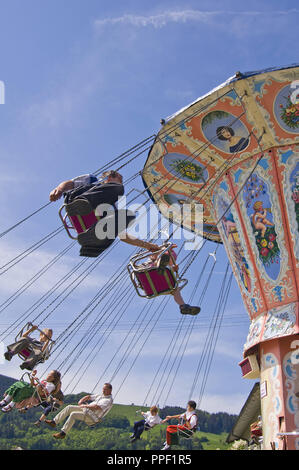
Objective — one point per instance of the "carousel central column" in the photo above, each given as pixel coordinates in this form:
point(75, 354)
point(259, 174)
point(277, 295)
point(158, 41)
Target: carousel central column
point(257, 230)
point(279, 376)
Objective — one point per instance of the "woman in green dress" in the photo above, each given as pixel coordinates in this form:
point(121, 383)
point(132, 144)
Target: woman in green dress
point(22, 394)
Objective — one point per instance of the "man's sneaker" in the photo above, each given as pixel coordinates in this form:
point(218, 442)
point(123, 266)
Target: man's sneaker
point(166, 447)
point(188, 310)
point(132, 436)
point(37, 423)
point(59, 435)
point(8, 355)
point(26, 366)
point(50, 422)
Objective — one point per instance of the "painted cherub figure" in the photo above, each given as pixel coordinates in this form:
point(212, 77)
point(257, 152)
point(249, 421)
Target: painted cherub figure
point(259, 219)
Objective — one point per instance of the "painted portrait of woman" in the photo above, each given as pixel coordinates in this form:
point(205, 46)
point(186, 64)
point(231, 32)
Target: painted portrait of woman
point(235, 143)
point(225, 131)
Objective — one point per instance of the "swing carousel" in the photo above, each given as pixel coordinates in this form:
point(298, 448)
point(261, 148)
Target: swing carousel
point(235, 152)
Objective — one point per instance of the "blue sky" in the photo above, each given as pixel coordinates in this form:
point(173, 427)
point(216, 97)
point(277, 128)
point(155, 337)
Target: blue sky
point(84, 81)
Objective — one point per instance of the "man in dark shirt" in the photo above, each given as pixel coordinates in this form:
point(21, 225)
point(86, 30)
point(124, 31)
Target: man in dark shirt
point(88, 187)
point(84, 194)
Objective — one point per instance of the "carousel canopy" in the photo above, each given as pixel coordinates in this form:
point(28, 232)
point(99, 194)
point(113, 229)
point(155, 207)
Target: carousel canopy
point(196, 147)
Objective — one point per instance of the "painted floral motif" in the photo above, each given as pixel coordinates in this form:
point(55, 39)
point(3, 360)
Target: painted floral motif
point(279, 323)
point(259, 210)
point(295, 192)
point(268, 247)
point(286, 109)
point(281, 292)
point(188, 170)
point(290, 113)
point(185, 167)
point(254, 332)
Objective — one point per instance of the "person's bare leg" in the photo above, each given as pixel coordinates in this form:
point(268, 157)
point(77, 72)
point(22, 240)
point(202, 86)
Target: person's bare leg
point(178, 297)
point(125, 237)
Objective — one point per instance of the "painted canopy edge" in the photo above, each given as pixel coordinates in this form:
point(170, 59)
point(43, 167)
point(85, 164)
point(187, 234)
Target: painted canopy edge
point(232, 79)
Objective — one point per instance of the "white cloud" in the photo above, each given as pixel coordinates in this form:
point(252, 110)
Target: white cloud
point(157, 21)
point(23, 271)
point(183, 16)
point(67, 99)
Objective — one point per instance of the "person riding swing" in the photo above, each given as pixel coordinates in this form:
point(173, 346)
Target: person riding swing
point(150, 419)
point(30, 349)
point(22, 394)
point(93, 203)
point(187, 429)
point(158, 275)
point(50, 405)
point(91, 413)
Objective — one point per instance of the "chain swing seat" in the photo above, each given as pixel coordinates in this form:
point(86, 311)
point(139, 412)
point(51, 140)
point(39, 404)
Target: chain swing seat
point(82, 227)
point(75, 222)
point(146, 429)
point(151, 281)
point(25, 353)
point(36, 399)
point(96, 421)
point(185, 433)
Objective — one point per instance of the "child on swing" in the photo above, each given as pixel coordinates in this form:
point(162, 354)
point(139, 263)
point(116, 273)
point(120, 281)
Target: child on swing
point(49, 405)
point(150, 419)
point(169, 259)
point(37, 347)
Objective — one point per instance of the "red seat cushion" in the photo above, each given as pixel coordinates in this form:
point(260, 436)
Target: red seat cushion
point(88, 221)
point(25, 352)
point(151, 278)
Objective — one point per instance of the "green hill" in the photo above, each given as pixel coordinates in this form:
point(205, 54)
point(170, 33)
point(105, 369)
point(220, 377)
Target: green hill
point(5, 382)
point(112, 434)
